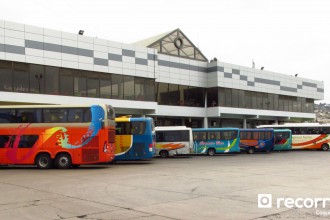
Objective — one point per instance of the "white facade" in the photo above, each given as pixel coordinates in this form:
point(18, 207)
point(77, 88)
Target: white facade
point(29, 44)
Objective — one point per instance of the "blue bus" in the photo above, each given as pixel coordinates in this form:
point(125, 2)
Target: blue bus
point(283, 139)
point(215, 140)
point(252, 140)
point(135, 138)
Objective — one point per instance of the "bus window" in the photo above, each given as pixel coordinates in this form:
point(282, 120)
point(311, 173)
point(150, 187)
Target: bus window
point(75, 115)
point(123, 128)
point(28, 116)
point(255, 135)
point(213, 135)
point(55, 115)
point(4, 139)
point(138, 127)
point(199, 135)
point(228, 135)
point(7, 116)
point(27, 141)
point(261, 135)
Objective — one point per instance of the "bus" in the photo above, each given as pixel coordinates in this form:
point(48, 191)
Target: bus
point(135, 138)
point(215, 140)
point(252, 140)
point(283, 139)
point(173, 140)
point(60, 135)
point(306, 135)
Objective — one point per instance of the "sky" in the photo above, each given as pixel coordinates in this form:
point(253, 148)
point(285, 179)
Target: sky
point(285, 36)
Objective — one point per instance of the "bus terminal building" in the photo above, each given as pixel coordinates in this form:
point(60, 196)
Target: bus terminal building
point(165, 77)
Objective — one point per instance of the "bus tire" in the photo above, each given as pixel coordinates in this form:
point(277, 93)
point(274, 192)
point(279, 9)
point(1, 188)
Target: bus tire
point(43, 161)
point(63, 161)
point(211, 152)
point(324, 147)
point(163, 153)
point(251, 150)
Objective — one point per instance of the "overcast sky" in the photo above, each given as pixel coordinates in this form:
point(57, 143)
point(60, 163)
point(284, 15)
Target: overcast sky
point(285, 36)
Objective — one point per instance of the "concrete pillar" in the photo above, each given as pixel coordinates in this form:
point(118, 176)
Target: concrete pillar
point(276, 122)
point(244, 123)
point(205, 122)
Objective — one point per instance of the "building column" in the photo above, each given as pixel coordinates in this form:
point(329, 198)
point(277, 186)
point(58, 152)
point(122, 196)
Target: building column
point(276, 122)
point(244, 123)
point(206, 122)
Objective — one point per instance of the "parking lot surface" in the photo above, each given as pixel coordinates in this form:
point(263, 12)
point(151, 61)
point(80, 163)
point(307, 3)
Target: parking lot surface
point(187, 187)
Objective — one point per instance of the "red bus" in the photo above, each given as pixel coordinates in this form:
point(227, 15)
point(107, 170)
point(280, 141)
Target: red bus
point(60, 135)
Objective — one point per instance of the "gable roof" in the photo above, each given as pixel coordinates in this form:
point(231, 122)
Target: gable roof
point(173, 43)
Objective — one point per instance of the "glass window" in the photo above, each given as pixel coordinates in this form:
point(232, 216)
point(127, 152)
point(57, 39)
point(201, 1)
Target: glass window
point(150, 89)
point(105, 85)
point(228, 97)
point(66, 81)
point(212, 97)
point(193, 96)
point(200, 135)
point(27, 141)
point(234, 98)
point(37, 77)
point(139, 86)
point(123, 128)
point(129, 88)
point(4, 141)
point(241, 101)
point(55, 115)
point(162, 89)
point(138, 127)
point(173, 95)
point(79, 115)
point(6, 77)
point(80, 83)
point(28, 116)
point(93, 87)
point(52, 80)
point(214, 135)
point(117, 86)
point(21, 77)
point(228, 135)
point(172, 136)
point(7, 116)
point(221, 96)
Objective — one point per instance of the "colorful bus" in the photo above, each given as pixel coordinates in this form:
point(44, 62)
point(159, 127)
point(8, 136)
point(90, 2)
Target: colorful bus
point(283, 139)
point(173, 140)
point(307, 135)
point(135, 138)
point(215, 140)
point(252, 140)
point(62, 135)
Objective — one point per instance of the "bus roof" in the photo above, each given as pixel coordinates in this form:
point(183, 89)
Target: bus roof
point(169, 128)
point(292, 125)
point(215, 129)
point(47, 106)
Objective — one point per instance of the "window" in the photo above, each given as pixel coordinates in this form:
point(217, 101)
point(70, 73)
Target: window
point(123, 128)
point(138, 128)
point(117, 86)
point(129, 88)
point(55, 115)
point(200, 135)
point(172, 136)
point(214, 135)
point(79, 83)
point(21, 77)
point(140, 93)
point(52, 80)
point(228, 135)
point(37, 77)
point(105, 85)
point(4, 141)
point(7, 116)
point(93, 85)
point(28, 116)
point(27, 141)
point(66, 82)
point(6, 76)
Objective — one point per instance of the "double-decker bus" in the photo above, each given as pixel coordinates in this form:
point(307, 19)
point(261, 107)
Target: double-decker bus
point(215, 140)
point(283, 139)
point(252, 140)
point(173, 140)
point(62, 135)
point(135, 138)
point(306, 135)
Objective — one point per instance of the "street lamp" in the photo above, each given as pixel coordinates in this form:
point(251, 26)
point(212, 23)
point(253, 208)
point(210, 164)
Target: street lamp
point(38, 77)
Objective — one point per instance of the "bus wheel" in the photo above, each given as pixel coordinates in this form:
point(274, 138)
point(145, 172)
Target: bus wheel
point(324, 147)
point(43, 161)
point(251, 150)
point(163, 153)
point(211, 152)
point(63, 161)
